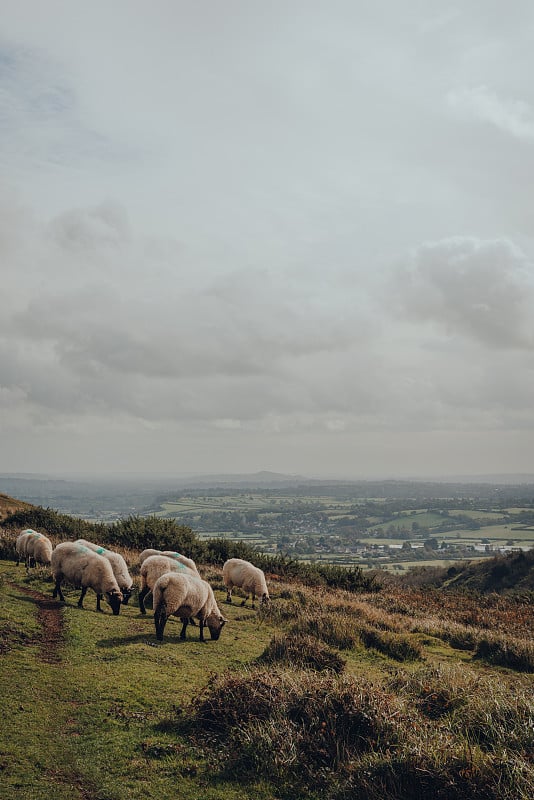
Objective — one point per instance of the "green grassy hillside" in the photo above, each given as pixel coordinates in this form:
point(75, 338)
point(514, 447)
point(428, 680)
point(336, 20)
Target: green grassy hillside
point(402, 693)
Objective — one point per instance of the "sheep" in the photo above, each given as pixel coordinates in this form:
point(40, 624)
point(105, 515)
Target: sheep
point(188, 562)
point(38, 549)
point(246, 576)
point(186, 596)
point(152, 568)
point(118, 565)
point(33, 548)
point(84, 568)
point(20, 545)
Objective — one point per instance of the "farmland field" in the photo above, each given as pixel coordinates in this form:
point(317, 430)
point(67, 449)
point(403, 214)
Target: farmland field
point(368, 532)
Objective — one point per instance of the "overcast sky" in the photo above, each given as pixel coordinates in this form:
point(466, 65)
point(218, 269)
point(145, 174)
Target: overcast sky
point(247, 235)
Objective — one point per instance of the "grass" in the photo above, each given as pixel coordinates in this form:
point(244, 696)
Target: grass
point(98, 708)
point(403, 693)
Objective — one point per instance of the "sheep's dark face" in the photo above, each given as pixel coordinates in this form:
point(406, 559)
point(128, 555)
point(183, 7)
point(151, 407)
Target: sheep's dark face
point(114, 599)
point(265, 599)
point(215, 625)
point(126, 594)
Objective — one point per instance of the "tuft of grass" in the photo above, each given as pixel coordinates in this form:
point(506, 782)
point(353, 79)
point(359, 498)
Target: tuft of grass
point(302, 652)
point(295, 726)
point(506, 652)
point(337, 630)
point(398, 646)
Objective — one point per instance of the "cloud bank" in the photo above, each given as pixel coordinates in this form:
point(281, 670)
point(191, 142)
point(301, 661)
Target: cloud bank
point(267, 237)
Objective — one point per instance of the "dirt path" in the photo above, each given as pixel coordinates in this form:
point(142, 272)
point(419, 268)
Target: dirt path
point(50, 616)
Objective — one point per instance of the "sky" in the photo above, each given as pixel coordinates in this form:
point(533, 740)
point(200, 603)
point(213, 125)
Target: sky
point(293, 236)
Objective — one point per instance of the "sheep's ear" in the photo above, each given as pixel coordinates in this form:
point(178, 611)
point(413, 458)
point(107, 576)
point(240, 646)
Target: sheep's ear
point(223, 620)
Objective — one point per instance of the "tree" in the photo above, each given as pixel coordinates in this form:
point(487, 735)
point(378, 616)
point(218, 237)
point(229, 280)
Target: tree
point(431, 544)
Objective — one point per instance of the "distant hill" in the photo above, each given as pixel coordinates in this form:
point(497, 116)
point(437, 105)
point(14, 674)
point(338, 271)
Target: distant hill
point(511, 572)
point(8, 505)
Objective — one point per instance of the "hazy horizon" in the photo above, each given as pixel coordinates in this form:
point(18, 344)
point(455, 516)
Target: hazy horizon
point(266, 476)
point(288, 237)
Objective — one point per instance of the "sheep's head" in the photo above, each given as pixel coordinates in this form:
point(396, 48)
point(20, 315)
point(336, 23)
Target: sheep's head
point(126, 594)
point(265, 599)
point(215, 623)
point(114, 599)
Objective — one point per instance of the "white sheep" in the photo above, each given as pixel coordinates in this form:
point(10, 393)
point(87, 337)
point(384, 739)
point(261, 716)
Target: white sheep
point(153, 568)
point(186, 596)
point(33, 548)
point(188, 562)
point(246, 576)
point(20, 544)
point(38, 548)
point(85, 569)
point(118, 565)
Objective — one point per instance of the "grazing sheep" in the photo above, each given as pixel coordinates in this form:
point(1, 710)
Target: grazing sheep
point(186, 596)
point(153, 568)
point(118, 565)
point(84, 568)
point(188, 562)
point(20, 544)
point(38, 549)
point(33, 548)
point(246, 576)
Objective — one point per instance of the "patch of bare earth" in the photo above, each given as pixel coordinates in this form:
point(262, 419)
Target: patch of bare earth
point(50, 616)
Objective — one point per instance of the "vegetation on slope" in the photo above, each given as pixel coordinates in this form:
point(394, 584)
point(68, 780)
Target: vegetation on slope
point(397, 694)
point(9, 506)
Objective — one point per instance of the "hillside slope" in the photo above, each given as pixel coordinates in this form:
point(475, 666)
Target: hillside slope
point(9, 505)
point(512, 572)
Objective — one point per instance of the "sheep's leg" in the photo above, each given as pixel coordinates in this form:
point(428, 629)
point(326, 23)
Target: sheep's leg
point(142, 594)
point(160, 620)
point(253, 599)
point(98, 599)
point(80, 601)
point(184, 627)
point(57, 590)
point(201, 626)
point(245, 600)
point(229, 595)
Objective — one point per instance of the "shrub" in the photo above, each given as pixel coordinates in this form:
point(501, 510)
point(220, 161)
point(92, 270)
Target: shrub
point(46, 519)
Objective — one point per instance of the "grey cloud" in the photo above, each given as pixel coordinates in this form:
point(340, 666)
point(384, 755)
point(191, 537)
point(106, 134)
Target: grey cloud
point(513, 116)
point(474, 288)
point(80, 229)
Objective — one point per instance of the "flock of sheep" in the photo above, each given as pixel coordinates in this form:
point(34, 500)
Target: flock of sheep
point(176, 585)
